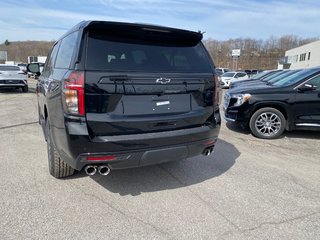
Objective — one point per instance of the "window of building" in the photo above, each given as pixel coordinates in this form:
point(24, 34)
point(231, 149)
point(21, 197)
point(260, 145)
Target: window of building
point(309, 54)
point(292, 59)
point(302, 57)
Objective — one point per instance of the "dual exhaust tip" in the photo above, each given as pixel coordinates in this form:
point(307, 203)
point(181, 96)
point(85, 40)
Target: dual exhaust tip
point(207, 151)
point(92, 170)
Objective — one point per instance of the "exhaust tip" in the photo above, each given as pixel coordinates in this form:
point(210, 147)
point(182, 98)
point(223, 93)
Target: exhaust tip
point(104, 170)
point(211, 150)
point(207, 151)
point(90, 170)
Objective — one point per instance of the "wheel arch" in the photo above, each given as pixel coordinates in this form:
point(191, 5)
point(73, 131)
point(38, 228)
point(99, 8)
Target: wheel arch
point(282, 107)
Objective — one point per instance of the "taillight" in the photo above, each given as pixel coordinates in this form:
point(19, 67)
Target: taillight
point(216, 98)
point(73, 89)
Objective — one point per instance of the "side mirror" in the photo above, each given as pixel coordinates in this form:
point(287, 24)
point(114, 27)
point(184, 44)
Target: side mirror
point(34, 68)
point(307, 87)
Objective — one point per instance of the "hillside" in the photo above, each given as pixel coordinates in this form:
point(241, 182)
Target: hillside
point(19, 51)
point(255, 53)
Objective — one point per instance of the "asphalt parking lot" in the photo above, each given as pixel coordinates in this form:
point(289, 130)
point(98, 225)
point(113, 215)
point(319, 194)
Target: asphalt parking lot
point(248, 189)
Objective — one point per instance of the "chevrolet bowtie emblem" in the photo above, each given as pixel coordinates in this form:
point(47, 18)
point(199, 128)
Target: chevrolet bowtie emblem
point(163, 80)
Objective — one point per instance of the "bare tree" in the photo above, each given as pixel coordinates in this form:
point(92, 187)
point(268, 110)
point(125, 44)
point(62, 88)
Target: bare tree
point(255, 53)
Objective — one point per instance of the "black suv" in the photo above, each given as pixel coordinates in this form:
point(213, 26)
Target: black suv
point(119, 95)
point(287, 104)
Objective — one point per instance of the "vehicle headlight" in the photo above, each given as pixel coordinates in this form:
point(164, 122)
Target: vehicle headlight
point(241, 98)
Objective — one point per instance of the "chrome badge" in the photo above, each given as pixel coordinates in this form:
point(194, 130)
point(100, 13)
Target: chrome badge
point(163, 80)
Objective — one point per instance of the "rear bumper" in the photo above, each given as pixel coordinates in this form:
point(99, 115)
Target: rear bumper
point(137, 150)
point(13, 83)
point(145, 157)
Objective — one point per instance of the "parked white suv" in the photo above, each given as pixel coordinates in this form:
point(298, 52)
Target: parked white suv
point(229, 77)
point(222, 70)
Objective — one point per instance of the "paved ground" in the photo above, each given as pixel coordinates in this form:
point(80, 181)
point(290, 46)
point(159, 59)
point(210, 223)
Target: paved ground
point(249, 189)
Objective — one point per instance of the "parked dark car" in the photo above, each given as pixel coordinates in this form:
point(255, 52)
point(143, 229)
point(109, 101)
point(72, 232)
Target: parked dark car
point(12, 77)
point(252, 72)
point(119, 95)
point(272, 78)
point(259, 76)
point(288, 104)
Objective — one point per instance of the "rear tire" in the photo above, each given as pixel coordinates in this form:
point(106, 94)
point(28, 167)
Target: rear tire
point(57, 167)
point(25, 88)
point(267, 123)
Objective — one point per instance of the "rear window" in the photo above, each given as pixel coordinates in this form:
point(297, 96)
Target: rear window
point(228, 74)
point(107, 54)
point(9, 68)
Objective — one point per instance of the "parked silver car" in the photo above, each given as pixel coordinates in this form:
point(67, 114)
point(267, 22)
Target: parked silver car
point(11, 76)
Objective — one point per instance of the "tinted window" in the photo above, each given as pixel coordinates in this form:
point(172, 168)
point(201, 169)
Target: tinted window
point(273, 75)
point(315, 82)
point(241, 74)
point(278, 78)
point(66, 50)
point(51, 59)
point(131, 55)
point(295, 78)
point(9, 68)
point(262, 74)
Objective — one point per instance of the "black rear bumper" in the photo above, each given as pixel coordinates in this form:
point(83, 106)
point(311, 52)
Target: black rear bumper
point(145, 157)
point(137, 150)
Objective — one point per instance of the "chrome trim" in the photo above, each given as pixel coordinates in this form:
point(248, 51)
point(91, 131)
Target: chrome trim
point(308, 125)
point(229, 119)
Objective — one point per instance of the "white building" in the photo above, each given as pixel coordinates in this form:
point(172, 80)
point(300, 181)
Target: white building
point(305, 56)
point(41, 59)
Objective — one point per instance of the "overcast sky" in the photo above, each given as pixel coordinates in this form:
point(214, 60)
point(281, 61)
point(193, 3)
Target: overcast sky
point(219, 19)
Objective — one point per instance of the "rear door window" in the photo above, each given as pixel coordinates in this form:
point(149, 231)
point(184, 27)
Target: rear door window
point(114, 54)
point(66, 50)
point(51, 60)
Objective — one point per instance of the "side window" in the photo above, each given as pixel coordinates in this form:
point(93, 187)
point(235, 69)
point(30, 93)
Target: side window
point(66, 50)
point(315, 82)
point(51, 59)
